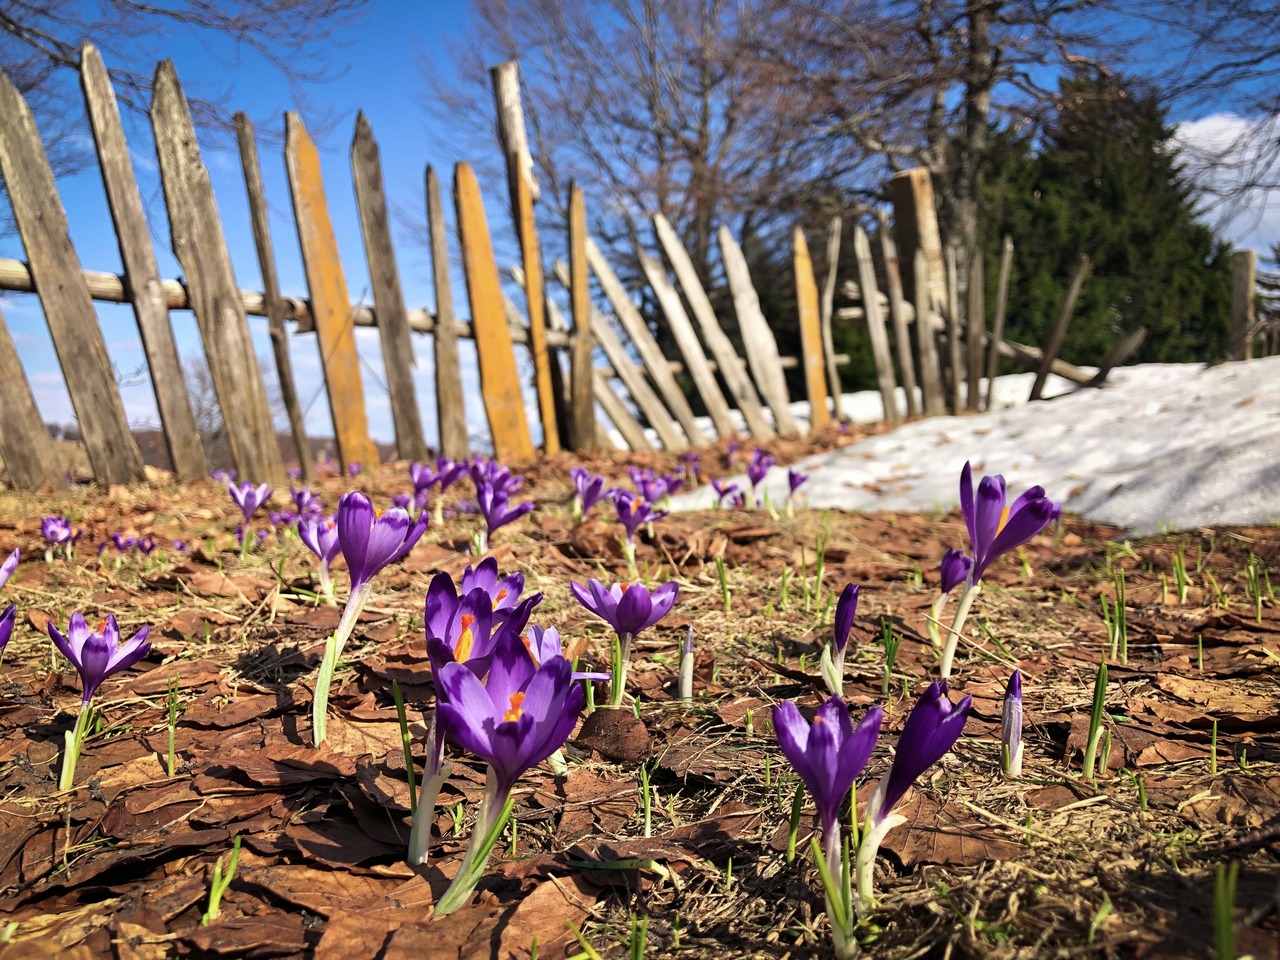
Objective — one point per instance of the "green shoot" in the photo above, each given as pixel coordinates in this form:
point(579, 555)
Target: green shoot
point(175, 707)
point(724, 583)
point(587, 949)
point(891, 643)
point(797, 807)
point(220, 882)
point(646, 801)
point(1213, 749)
point(1258, 585)
point(639, 936)
point(782, 589)
point(407, 743)
point(511, 849)
point(1200, 652)
point(1180, 573)
point(1095, 721)
point(1104, 911)
point(1224, 903)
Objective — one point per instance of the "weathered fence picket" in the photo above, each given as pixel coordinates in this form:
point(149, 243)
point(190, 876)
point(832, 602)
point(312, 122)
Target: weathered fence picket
point(975, 332)
point(499, 376)
point(451, 408)
point(25, 445)
point(997, 321)
point(1059, 331)
point(582, 412)
point(875, 325)
point(898, 315)
point(935, 400)
point(810, 332)
point(141, 273)
point(828, 312)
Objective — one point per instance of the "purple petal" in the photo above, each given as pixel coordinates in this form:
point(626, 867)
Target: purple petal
point(931, 730)
point(846, 609)
point(955, 569)
point(6, 569)
point(6, 624)
point(633, 610)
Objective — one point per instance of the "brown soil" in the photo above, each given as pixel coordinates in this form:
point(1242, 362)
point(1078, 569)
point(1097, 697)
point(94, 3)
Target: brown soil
point(1049, 865)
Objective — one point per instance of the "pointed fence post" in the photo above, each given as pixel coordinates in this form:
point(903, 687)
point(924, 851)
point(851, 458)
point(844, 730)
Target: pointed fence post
point(582, 411)
point(757, 339)
point(997, 322)
point(523, 190)
point(935, 400)
point(64, 293)
point(690, 348)
point(25, 446)
point(731, 368)
point(834, 229)
point(1244, 298)
point(975, 331)
point(810, 332)
point(141, 273)
point(451, 408)
point(955, 372)
point(898, 315)
point(275, 305)
point(499, 376)
point(875, 325)
point(388, 296)
point(646, 346)
point(330, 301)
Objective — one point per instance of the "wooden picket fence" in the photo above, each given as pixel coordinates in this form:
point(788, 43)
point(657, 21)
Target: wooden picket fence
point(639, 377)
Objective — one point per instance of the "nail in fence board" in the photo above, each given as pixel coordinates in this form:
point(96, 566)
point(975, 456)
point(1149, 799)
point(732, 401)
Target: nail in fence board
point(330, 302)
point(141, 273)
point(196, 236)
point(687, 340)
point(757, 339)
point(388, 297)
point(582, 409)
point(64, 293)
point(499, 376)
point(275, 305)
point(810, 333)
point(898, 315)
point(875, 325)
point(646, 346)
point(25, 446)
point(451, 408)
point(632, 377)
point(828, 303)
point(732, 370)
point(520, 183)
point(935, 400)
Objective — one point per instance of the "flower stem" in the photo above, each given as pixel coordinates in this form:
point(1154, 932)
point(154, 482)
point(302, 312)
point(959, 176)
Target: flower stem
point(621, 655)
point(494, 813)
point(332, 652)
point(957, 628)
point(74, 740)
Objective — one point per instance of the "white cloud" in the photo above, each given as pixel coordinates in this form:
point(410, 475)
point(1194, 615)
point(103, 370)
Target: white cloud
point(1226, 154)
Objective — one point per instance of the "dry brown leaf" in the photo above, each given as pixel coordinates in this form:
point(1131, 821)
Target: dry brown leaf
point(937, 832)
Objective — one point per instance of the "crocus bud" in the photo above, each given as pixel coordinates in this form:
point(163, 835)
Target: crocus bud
point(686, 665)
point(1011, 727)
point(955, 568)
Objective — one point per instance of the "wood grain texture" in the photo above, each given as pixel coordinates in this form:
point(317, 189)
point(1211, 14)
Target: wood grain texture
point(615, 409)
point(25, 446)
point(955, 369)
point(582, 409)
point(885, 380)
point(758, 341)
point(935, 398)
point(275, 305)
point(330, 302)
point(704, 380)
point(997, 321)
point(520, 184)
point(499, 375)
point(915, 220)
point(142, 275)
point(451, 407)
point(195, 232)
point(898, 315)
point(834, 229)
point(388, 296)
point(732, 370)
point(64, 295)
point(646, 346)
point(810, 332)
point(975, 334)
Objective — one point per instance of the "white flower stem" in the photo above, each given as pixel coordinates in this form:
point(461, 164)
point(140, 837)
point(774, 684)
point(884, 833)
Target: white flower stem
point(332, 652)
point(74, 740)
point(621, 659)
point(957, 628)
point(493, 815)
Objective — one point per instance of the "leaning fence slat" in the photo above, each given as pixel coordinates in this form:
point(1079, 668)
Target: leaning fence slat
point(632, 377)
point(810, 332)
point(646, 346)
point(275, 304)
point(451, 412)
point(915, 220)
point(628, 427)
point(1059, 332)
point(64, 295)
point(25, 446)
point(757, 339)
point(704, 380)
point(388, 296)
point(195, 232)
point(997, 322)
point(140, 270)
point(520, 184)
point(499, 377)
point(828, 309)
point(955, 372)
point(582, 410)
point(1121, 352)
point(330, 302)
point(935, 400)
point(732, 370)
point(975, 331)
point(898, 315)
point(875, 325)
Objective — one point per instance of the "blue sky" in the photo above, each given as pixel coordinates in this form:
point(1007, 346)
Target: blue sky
point(379, 67)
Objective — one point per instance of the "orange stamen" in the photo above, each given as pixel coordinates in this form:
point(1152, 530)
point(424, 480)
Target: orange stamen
point(466, 639)
point(102, 627)
point(502, 595)
point(528, 645)
point(1004, 518)
point(517, 708)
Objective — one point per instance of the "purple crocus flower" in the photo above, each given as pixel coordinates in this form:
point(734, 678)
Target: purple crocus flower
point(833, 656)
point(650, 487)
point(223, 476)
point(1011, 727)
point(544, 643)
point(96, 654)
point(6, 625)
point(294, 473)
point(494, 503)
point(57, 530)
point(829, 755)
point(758, 467)
point(10, 564)
point(627, 607)
point(795, 480)
point(369, 540)
point(955, 569)
point(932, 728)
point(517, 718)
point(248, 497)
point(504, 592)
point(458, 628)
point(995, 529)
point(122, 542)
point(634, 511)
point(590, 487)
point(305, 502)
point(724, 489)
point(147, 545)
point(353, 470)
point(320, 535)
